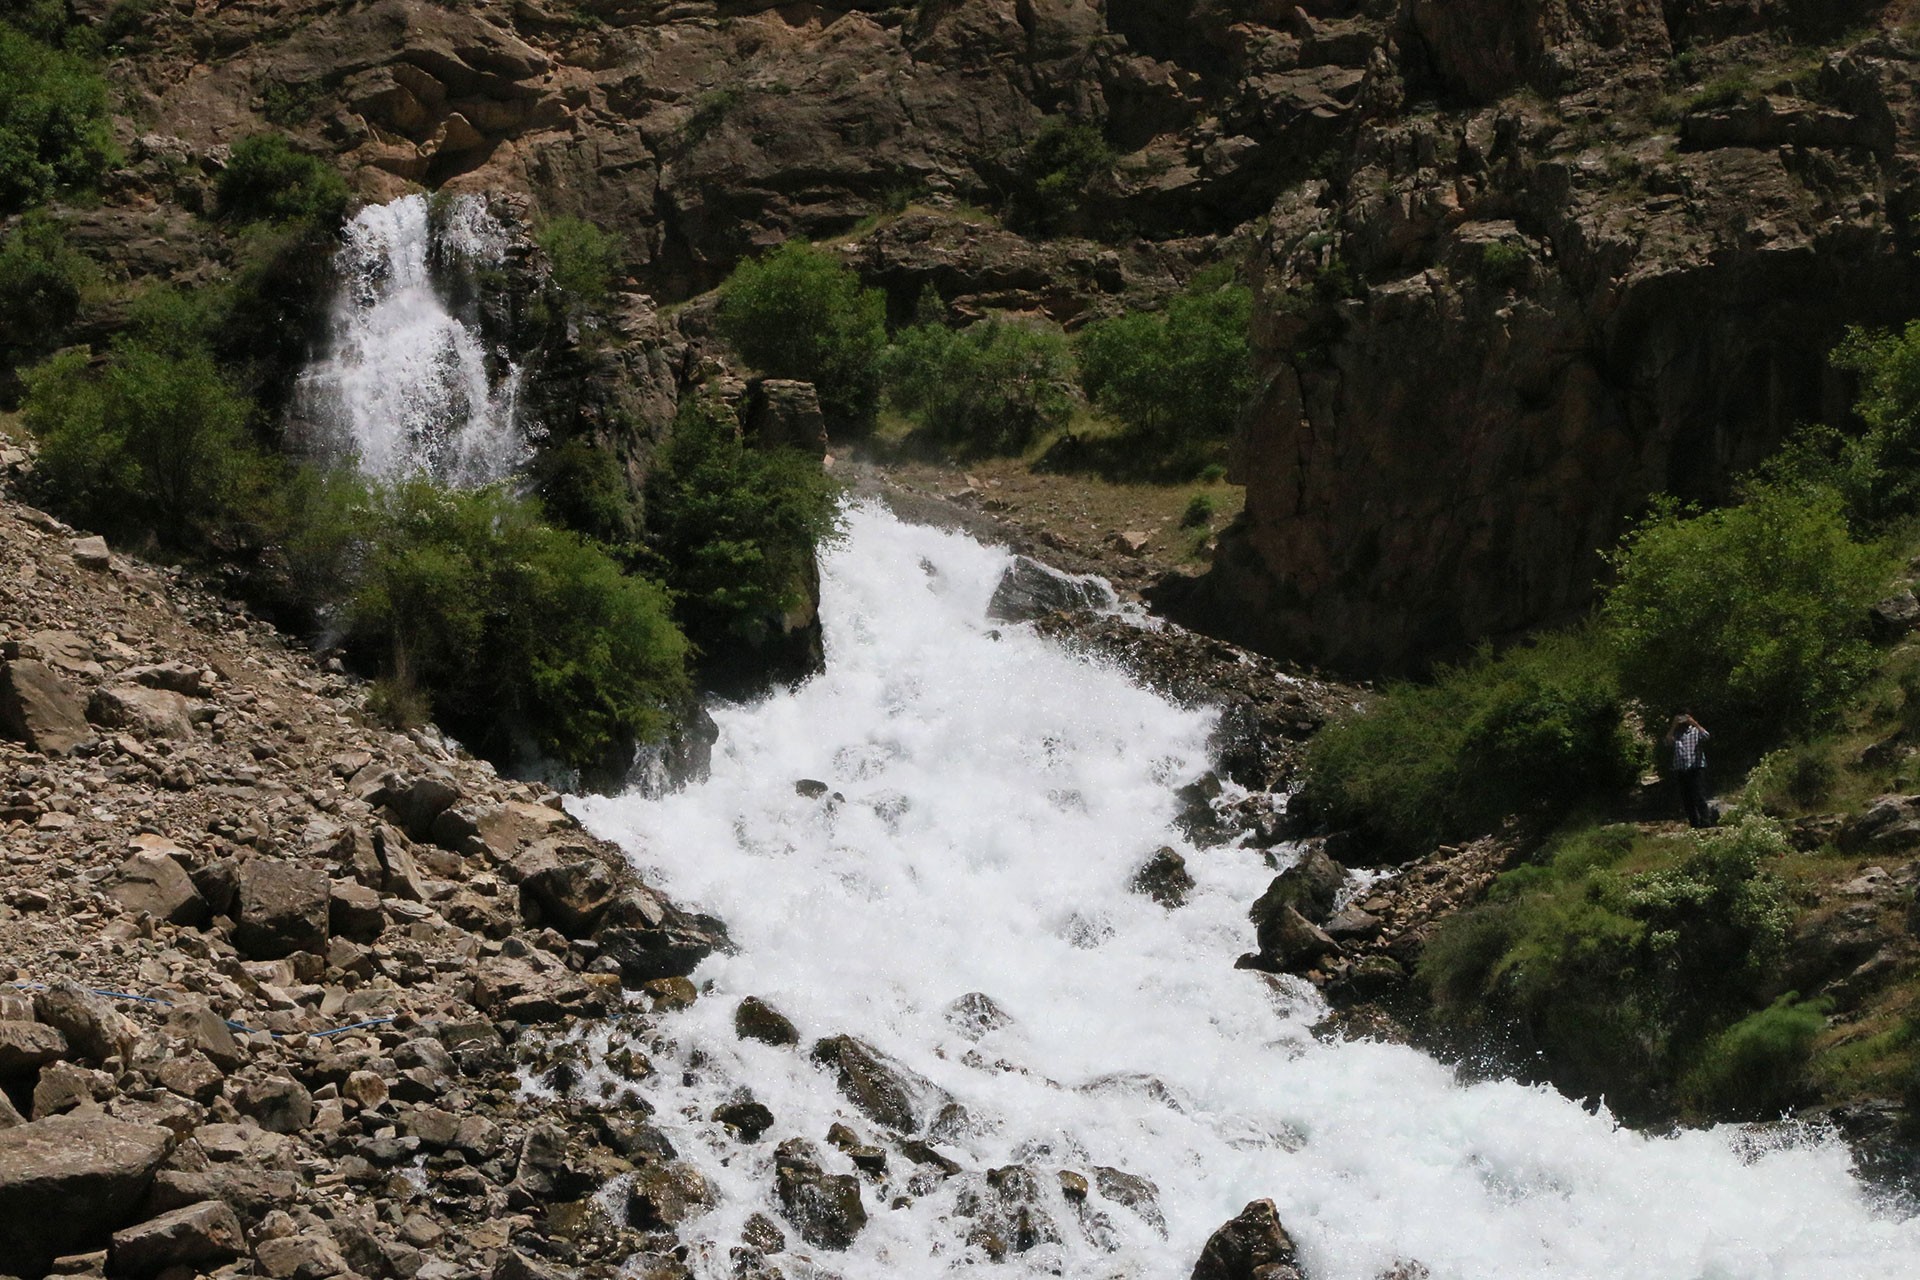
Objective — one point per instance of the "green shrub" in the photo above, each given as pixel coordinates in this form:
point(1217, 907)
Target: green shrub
point(513, 628)
point(1055, 173)
point(1200, 511)
point(584, 260)
point(735, 528)
point(154, 442)
point(1505, 265)
point(267, 180)
point(1616, 978)
point(41, 279)
point(54, 132)
point(44, 20)
point(1878, 471)
point(799, 312)
point(1757, 1068)
point(583, 487)
point(994, 385)
point(1186, 373)
point(1754, 616)
point(1537, 729)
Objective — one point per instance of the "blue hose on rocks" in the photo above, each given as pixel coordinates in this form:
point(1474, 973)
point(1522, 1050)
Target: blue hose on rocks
point(241, 1027)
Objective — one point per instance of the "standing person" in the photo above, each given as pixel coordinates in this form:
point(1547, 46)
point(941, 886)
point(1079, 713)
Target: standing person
point(1688, 742)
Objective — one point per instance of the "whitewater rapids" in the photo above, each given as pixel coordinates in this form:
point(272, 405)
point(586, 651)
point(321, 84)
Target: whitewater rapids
point(999, 794)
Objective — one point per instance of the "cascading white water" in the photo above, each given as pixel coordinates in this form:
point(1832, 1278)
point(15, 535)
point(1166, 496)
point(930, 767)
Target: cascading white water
point(405, 389)
point(998, 795)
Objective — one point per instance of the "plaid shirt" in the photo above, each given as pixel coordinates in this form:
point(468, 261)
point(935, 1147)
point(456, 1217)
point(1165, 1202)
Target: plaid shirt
point(1690, 748)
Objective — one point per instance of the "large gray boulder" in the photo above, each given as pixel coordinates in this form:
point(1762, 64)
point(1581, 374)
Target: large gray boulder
point(153, 882)
point(37, 708)
point(280, 908)
point(1029, 590)
point(67, 1182)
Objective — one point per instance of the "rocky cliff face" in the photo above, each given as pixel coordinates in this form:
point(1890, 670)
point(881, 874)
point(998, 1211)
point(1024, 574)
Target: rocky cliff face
point(1601, 256)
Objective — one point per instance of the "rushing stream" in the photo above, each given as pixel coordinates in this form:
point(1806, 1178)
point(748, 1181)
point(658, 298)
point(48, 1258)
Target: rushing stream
point(995, 795)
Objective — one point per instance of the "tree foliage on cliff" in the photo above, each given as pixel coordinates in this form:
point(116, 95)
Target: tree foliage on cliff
point(1754, 616)
point(1185, 373)
point(54, 132)
point(992, 386)
point(1534, 730)
point(799, 312)
point(41, 281)
point(734, 528)
point(266, 179)
point(583, 260)
point(1056, 175)
point(512, 626)
point(1621, 965)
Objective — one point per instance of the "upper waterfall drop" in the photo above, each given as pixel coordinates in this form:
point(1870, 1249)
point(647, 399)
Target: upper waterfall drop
point(406, 388)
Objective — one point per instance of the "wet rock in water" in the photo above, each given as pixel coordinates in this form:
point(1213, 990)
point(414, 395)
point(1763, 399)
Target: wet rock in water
point(282, 908)
point(755, 1019)
point(553, 1167)
point(1288, 941)
point(1253, 1246)
point(810, 788)
point(153, 882)
point(1310, 886)
point(203, 1235)
point(67, 1182)
point(1164, 878)
point(824, 1208)
point(763, 1233)
point(1007, 1208)
point(37, 708)
point(1029, 589)
point(975, 1013)
point(1199, 820)
point(884, 1089)
point(664, 1195)
point(1132, 1191)
point(749, 1119)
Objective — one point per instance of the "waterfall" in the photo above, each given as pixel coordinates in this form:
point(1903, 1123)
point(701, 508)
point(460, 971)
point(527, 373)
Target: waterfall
point(989, 797)
point(406, 388)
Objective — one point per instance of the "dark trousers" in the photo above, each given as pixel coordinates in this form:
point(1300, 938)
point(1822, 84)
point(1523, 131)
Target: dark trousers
point(1693, 794)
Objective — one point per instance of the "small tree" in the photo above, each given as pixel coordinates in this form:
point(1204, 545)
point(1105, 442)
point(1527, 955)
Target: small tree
point(266, 179)
point(41, 278)
point(1184, 374)
point(584, 259)
point(994, 385)
point(54, 132)
point(1755, 615)
point(1055, 173)
point(799, 312)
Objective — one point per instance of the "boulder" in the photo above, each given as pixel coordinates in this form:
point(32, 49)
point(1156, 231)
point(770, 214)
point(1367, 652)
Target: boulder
point(154, 883)
point(571, 896)
point(147, 712)
point(1029, 589)
point(25, 1047)
point(281, 908)
point(37, 708)
point(782, 411)
point(1164, 878)
point(278, 1104)
point(1310, 886)
point(1253, 1246)
point(96, 1030)
point(415, 802)
point(67, 1182)
point(203, 1235)
point(1889, 822)
point(825, 1208)
point(884, 1089)
point(755, 1019)
point(664, 1195)
point(1134, 1192)
point(1288, 941)
point(749, 1119)
point(91, 552)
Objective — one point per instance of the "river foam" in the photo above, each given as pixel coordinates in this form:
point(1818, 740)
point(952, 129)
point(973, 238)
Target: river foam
point(996, 795)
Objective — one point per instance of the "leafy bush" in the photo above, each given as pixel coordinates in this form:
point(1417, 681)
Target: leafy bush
point(154, 442)
point(735, 528)
point(584, 259)
point(994, 385)
point(1754, 616)
point(1536, 730)
point(1186, 373)
point(1878, 471)
point(1757, 1068)
point(1619, 979)
point(1054, 174)
point(1504, 265)
point(512, 627)
point(54, 133)
point(799, 312)
point(41, 279)
point(1199, 512)
point(583, 488)
point(267, 180)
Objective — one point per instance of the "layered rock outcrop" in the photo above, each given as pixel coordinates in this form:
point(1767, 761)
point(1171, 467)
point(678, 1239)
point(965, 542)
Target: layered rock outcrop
point(1505, 321)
